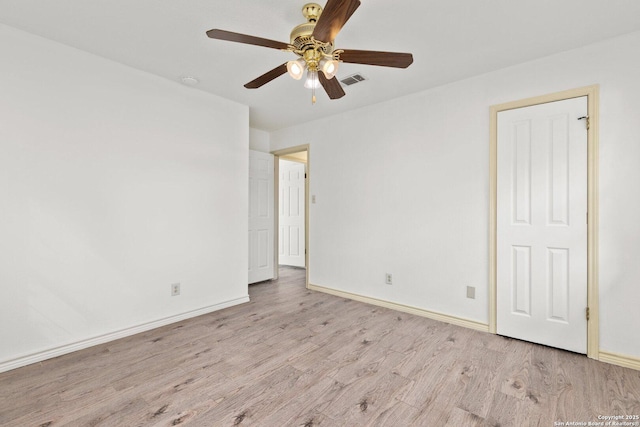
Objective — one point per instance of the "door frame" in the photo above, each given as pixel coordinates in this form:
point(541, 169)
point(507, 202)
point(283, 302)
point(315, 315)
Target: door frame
point(277, 154)
point(592, 94)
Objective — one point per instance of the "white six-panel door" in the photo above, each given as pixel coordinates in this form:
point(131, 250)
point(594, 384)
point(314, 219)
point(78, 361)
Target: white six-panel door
point(291, 243)
point(261, 217)
point(542, 224)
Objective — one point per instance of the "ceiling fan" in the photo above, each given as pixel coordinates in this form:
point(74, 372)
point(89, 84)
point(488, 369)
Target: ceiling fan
point(313, 42)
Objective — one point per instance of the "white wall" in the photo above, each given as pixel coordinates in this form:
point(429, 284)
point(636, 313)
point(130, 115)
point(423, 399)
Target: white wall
point(402, 187)
point(114, 184)
point(259, 140)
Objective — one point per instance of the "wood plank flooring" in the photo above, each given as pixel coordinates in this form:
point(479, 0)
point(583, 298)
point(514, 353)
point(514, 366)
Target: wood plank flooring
point(292, 357)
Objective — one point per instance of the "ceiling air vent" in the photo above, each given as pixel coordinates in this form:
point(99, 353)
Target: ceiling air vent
point(353, 79)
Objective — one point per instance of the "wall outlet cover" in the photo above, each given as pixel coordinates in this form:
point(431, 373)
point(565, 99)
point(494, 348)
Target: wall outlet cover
point(175, 289)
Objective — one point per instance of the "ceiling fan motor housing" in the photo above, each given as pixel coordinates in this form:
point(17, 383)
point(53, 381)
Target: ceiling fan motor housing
point(311, 12)
point(302, 40)
point(301, 34)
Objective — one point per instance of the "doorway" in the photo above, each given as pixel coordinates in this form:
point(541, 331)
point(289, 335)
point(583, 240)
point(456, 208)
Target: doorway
point(515, 300)
point(292, 175)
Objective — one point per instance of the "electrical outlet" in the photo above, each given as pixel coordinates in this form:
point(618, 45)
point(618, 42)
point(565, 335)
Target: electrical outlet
point(388, 279)
point(471, 292)
point(175, 289)
point(313, 198)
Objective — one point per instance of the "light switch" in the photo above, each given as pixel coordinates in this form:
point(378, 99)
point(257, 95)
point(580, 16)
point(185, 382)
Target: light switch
point(471, 292)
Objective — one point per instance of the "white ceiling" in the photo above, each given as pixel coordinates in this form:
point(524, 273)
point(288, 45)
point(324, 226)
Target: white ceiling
point(450, 40)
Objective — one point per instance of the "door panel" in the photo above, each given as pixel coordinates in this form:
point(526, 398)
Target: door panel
point(558, 281)
point(541, 224)
point(521, 280)
point(292, 219)
point(261, 219)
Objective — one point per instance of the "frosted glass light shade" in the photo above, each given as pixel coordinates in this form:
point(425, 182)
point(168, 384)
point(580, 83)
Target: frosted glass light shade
point(312, 81)
point(329, 67)
point(296, 68)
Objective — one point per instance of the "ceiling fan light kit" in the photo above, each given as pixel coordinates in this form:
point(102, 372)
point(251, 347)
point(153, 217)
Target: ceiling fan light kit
point(313, 43)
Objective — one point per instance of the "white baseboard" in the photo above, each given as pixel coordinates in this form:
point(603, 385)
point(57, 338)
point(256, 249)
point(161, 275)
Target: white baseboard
point(112, 336)
point(471, 324)
point(620, 360)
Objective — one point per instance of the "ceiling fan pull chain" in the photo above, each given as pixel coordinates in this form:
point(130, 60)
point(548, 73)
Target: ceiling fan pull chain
point(313, 88)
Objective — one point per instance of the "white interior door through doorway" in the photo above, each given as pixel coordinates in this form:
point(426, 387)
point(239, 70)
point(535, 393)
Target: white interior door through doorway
point(291, 242)
point(541, 244)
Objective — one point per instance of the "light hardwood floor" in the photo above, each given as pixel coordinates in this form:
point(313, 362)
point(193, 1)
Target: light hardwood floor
point(292, 357)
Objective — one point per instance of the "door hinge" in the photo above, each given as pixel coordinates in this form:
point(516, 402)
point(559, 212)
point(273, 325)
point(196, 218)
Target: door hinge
point(586, 119)
point(305, 176)
point(587, 312)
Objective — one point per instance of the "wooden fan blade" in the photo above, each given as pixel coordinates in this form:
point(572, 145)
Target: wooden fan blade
point(372, 57)
point(335, 14)
point(267, 77)
point(331, 86)
point(243, 38)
